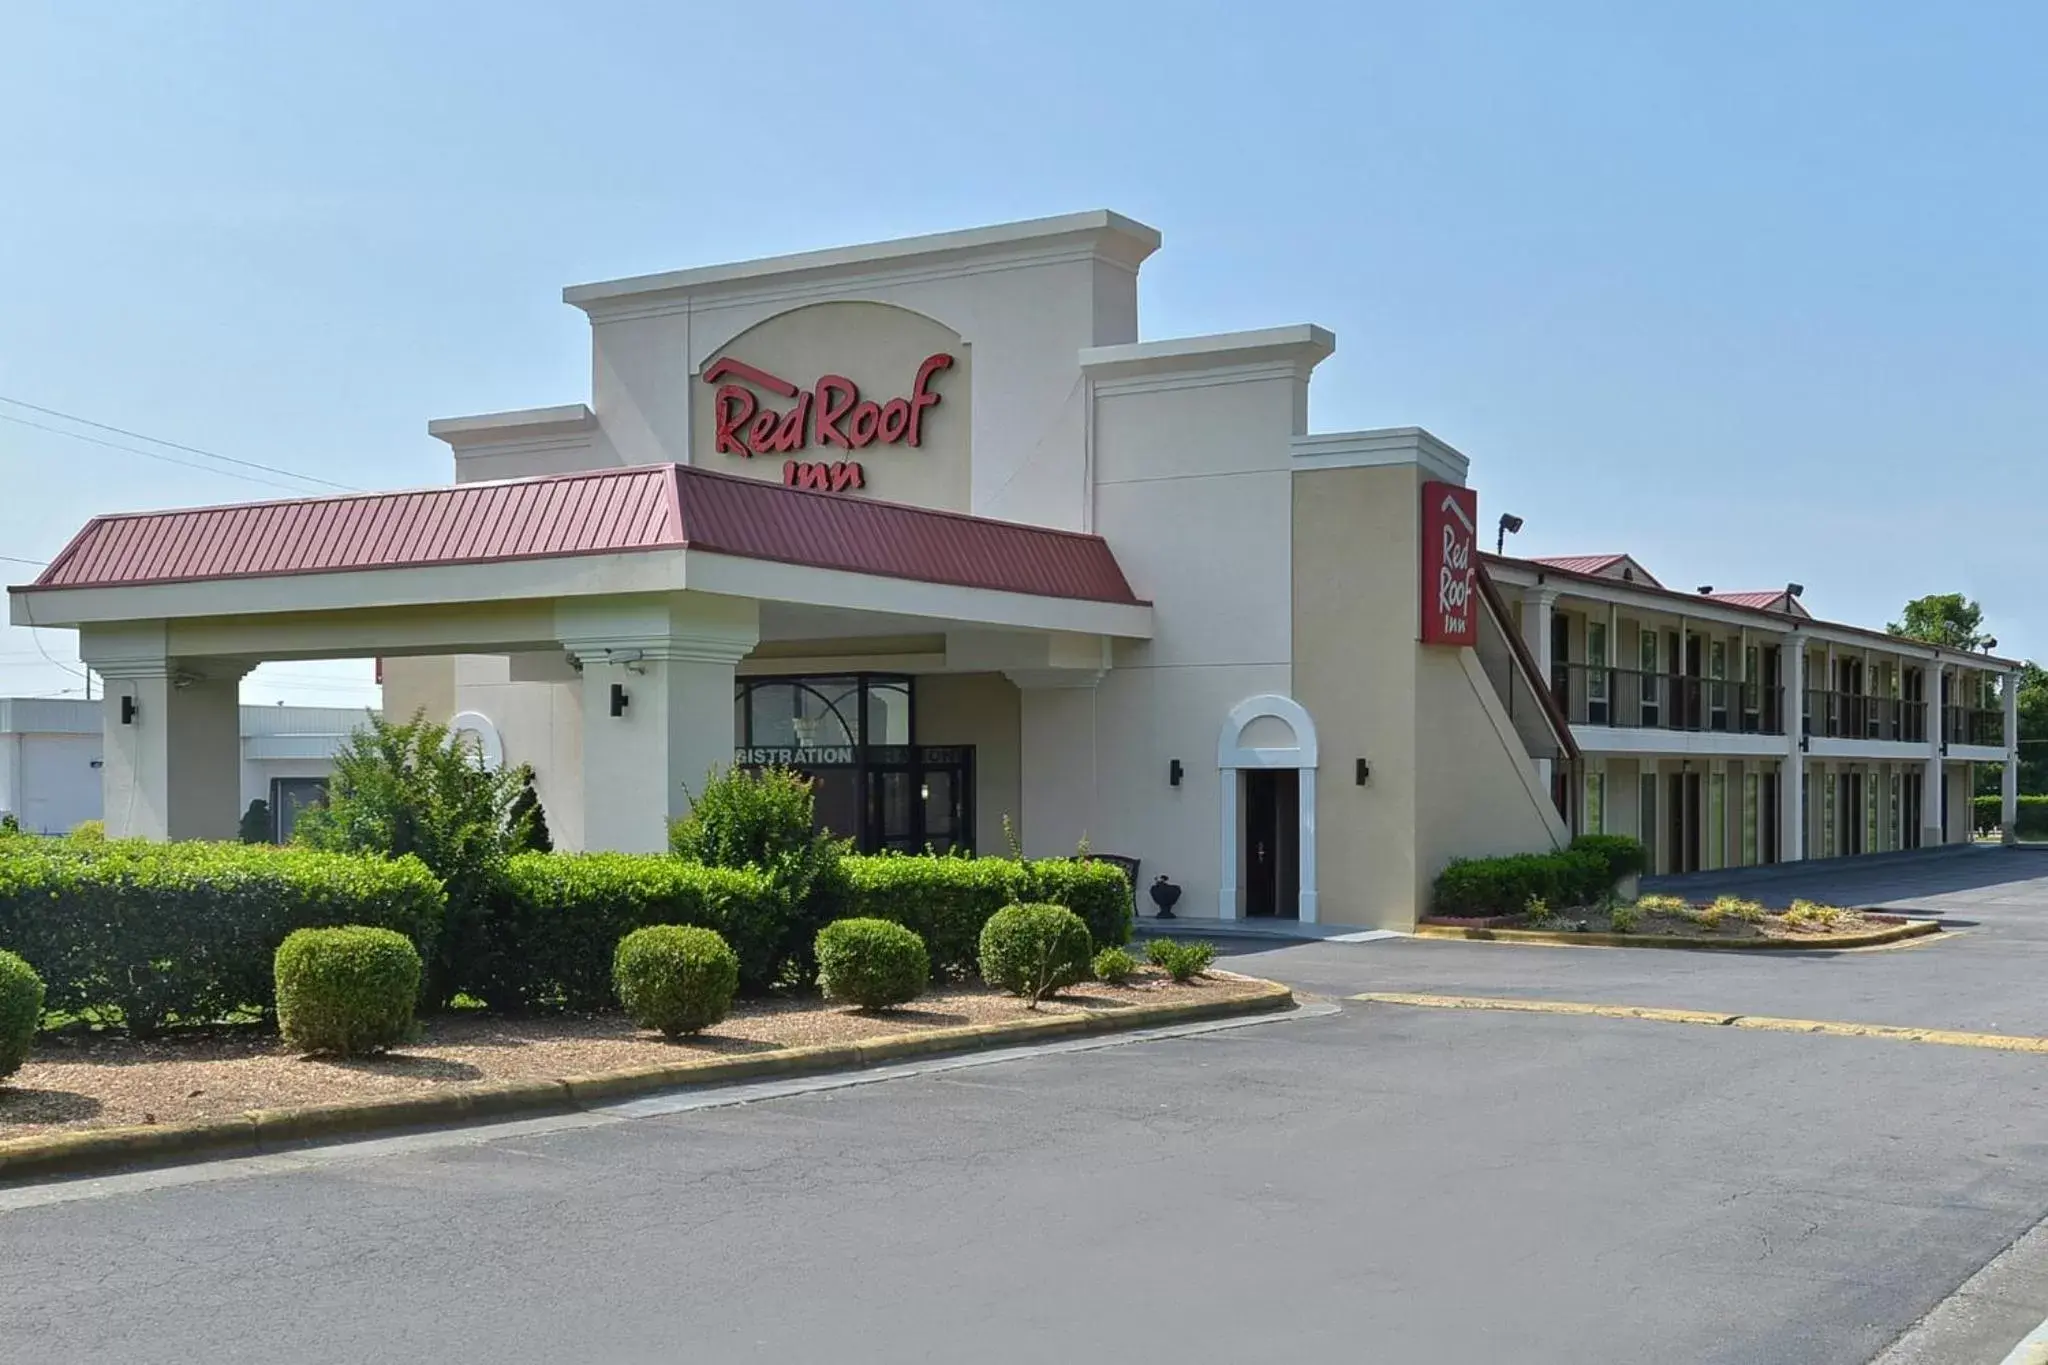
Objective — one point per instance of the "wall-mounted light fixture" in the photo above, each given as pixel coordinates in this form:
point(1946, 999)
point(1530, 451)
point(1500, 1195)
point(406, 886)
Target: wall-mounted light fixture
point(619, 699)
point(1173, 772)
point(128, 709)
point(1795, 590)
point(1364, 772)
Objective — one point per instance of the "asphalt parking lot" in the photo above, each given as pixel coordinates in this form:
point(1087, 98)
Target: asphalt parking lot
point(1375, 1183)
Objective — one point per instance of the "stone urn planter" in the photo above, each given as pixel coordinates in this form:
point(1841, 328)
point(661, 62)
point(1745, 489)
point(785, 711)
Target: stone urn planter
point(1164, 894)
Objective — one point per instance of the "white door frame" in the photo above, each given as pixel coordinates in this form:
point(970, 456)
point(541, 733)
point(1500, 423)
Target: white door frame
point(1232, 755)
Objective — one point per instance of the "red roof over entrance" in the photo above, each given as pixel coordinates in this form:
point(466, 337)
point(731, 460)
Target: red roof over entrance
point(611, 511)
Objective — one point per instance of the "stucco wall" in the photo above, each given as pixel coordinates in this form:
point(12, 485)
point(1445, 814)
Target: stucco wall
point(982, 709)
point(1355, 626)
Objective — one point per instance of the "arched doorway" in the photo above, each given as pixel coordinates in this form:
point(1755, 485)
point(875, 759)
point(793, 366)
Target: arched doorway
point(1266, 755)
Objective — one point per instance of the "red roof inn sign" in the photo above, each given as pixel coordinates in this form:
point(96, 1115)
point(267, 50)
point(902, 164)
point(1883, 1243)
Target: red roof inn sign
point(830, 413)
point(1450, 524)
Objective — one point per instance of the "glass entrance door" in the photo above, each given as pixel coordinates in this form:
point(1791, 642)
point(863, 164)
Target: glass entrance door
point(920, 799)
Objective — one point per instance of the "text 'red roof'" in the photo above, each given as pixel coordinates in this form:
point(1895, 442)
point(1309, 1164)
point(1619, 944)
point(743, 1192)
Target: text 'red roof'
point(658, 507)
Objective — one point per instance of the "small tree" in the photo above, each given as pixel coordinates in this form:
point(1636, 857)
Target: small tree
point(1947, 618)
point(529, 817)
point(767, 820)
point(256, 822)
point(418, 788)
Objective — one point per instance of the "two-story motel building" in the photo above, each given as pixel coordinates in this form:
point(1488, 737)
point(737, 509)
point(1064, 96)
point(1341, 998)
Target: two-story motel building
point(928, 520)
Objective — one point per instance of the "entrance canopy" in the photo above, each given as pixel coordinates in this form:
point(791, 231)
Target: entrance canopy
point(646, 586)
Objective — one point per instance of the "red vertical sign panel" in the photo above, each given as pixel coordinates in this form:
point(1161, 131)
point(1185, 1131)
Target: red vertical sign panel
point(1450, 596)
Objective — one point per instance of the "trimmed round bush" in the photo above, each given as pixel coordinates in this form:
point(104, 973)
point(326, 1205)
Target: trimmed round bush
point(1034, 950)
point(675, 977)
point(347, 991)
point(1114, 965)
point(873, 963)
point(21, 1010)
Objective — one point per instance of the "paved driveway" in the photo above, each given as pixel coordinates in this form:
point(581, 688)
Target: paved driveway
point(1378, 1184)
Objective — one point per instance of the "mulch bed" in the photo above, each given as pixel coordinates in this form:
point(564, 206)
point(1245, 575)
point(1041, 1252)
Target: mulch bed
point(78, 1080)
point(1678, 925)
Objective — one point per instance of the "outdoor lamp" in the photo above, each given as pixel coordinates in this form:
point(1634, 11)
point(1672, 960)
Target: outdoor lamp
point(1173, 772)
point(1510, 524)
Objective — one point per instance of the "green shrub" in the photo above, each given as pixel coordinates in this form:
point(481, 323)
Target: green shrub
point(948, 900)
point(1707, 916)
point(414, 788)
point(1034, 950)
point(1622, 855)
point(2031, 821)
point(8, 824)
point(137, 934)
point(675, 978)
point(555, 933)
point(1663, 905)
point(1183, 960)
point(767, 821)
point(1735, 907)
point(873, 963)
point(1624, 919)
point(1114, 965)
point(21, 1011)
point(1811, 915)
point(346, 991)
point(1481, 887)
point(90, 831)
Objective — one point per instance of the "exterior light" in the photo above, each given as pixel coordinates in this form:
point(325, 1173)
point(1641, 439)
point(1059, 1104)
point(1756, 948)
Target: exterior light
point(127, 710)
point(1795, 590)
point(1706, 589)
point(1173, 772)
point(1364, 772)
point(1510, 524)
point(1990, 643)
point(619, 699)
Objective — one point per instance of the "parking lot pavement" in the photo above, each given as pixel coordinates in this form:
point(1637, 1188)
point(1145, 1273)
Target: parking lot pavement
point(1985, 974)
point(1379, 1185)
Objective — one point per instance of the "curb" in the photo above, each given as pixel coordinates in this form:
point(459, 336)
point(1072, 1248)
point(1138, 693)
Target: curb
point(256, 1131)
point(1566, 938)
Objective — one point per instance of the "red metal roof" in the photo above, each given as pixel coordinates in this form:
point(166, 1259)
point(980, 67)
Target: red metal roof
point(1579, 563)
point(1766, 598)
point(658, 507)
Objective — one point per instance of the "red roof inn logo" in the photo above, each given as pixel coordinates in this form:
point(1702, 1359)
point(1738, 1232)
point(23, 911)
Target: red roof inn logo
point(829, 413)
point(1450, 523)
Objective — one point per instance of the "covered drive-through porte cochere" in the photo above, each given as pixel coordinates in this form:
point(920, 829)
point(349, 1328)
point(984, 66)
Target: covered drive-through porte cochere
point(695, 620)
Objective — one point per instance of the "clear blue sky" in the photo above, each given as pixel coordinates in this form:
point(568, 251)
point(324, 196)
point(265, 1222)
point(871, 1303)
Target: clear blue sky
point(1754, 291)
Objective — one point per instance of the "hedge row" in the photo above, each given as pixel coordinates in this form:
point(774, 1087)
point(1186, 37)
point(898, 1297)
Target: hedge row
point(2032, 823)
point(947, 900)
point(1579, 875)
point(145, 934)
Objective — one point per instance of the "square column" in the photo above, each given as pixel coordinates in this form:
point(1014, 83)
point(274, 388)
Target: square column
point(658, 681)
point(171, 755)
point(2009, 779)
point(1933, 796)
point(1537, 606)
point(1792, 772)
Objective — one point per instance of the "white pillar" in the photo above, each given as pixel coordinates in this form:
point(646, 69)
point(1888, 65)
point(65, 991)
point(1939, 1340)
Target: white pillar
point(171, 749)
point(657, 706)
point(1537, 605)
point(2009, 782)
point(1932, 829)
point(1792, 772)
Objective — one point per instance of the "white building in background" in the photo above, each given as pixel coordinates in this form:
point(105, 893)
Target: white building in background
point(51, 752)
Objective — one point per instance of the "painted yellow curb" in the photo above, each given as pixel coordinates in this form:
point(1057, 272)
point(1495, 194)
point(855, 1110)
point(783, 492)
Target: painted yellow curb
point(1997, 1042)
point(258, 1130)
point(1807, 943)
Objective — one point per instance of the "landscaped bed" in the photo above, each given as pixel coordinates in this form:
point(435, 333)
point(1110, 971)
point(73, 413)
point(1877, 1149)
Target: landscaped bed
point(80, 1080)
point(1726, 919)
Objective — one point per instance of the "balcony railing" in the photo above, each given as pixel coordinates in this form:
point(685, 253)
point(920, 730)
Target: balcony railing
point(1627, 698)
point(1852, 715)
point(1972, 725)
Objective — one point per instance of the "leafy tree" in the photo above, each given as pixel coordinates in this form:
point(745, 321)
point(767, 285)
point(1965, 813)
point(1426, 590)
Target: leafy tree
point(418, 788)
point(767, 821)
point(256, 822)
point(1947, 618)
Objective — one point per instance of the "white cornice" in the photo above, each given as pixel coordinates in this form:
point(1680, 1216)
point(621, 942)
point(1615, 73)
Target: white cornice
point(524, 424)
point(1101, 233)
point(1301, 347)
point(1378, 447)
